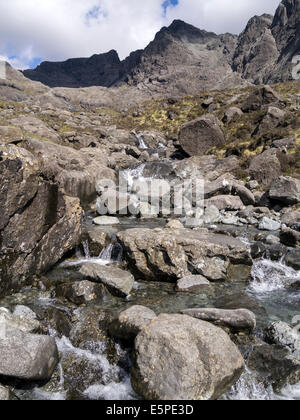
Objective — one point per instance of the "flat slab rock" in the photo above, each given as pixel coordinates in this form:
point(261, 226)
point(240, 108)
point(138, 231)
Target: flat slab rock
point(164, 254)
point(177, 357)
point(118, 282)
point(236, 320)
point(192, 283)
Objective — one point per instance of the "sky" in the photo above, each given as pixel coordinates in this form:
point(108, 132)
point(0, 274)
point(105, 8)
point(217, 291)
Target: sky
point(32, 31)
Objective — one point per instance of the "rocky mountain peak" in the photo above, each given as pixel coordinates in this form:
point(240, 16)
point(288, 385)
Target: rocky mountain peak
point(183, 59)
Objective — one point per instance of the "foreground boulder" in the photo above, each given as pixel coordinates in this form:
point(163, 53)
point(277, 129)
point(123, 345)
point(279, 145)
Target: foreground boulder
point(235, 320)
point(198, 136)
point(178, 357)
point(38, 224)
point(130, 322)
point(27, 356)
point(164, 254)
point(118, 282)
point(286, 190)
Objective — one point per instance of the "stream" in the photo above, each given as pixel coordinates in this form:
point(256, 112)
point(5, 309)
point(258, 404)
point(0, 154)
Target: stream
point(94, 367)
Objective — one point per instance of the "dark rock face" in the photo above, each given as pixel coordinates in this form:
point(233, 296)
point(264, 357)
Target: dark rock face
point(257, 50)
point(39, 223)
point(261, 54)
point(98, 70)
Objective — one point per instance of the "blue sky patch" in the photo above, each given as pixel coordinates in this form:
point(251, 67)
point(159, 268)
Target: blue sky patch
point(169, 3)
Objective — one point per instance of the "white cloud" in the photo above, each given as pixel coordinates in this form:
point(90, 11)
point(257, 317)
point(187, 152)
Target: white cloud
point(60, 29)
point(221, 16)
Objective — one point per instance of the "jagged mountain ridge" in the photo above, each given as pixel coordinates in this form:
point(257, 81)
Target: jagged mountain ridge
point(183, 59)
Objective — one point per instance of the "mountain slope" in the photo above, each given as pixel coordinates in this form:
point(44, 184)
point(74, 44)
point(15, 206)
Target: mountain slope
point(183, 59)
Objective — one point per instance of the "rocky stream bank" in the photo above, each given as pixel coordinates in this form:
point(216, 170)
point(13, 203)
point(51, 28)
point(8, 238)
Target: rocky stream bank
point(116, 306)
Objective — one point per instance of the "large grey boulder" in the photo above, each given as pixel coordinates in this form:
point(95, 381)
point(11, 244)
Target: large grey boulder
point(166, 254)
point(130, 322)
point(27, 356)
point(177, 357)
point(236, 320)
point(286, 190)
point(118, 282)
point(198, 136)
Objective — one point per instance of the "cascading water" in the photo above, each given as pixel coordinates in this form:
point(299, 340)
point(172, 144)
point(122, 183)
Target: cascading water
point(112, 253)
point(142, 144)
point(250, 388)
point(269, 276)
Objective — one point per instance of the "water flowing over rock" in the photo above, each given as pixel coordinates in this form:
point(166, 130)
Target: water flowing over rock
point(28, 199)
point(177, 357)
point(170, 255)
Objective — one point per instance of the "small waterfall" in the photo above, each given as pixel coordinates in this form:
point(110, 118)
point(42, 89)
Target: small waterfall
point(142, 144)
point(86, 250)
point(269, 276)
point(105, 254)
point(112, 253)
point(131, 175)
